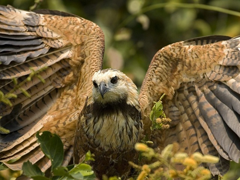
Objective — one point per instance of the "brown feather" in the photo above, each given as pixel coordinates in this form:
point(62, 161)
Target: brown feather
point(196, 66)
point(65, 41)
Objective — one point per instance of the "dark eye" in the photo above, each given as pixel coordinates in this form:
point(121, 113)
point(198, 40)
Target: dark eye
point(95, 84)
point(114, 80)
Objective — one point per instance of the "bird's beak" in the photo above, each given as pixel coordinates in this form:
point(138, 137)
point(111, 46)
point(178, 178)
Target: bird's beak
point(103, 88)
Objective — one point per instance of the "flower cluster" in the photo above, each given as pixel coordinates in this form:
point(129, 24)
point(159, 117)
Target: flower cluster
point(171, 164)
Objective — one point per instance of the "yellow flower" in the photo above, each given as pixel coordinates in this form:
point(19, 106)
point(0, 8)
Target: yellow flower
point(190, 162)
point(210, 159)
point(197, 156)
point(205, 172)
point(142, 175)
point(158, 120)
point(141, 147)
point(172, 173)
point(146, 168)
point(167, 151)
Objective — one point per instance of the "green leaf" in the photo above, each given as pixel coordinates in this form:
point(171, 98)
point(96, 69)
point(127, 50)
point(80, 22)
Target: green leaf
point(13, 160)
point(114, 178)
point(6, 101)
point(78, 176)
point(89, 156)
point(40, 78)
point(3, 167)
point(159, 105)
point(40, 178)
point(151, 115)
point(52, 147)
point(10, 95)
point(25, 92)
point(69, 167)
point(84, 169)
point(60, 171)
point(4, 130)
point(157, 112)
point(31, 170)
point(1, 95)
point(91, 177)
point(15, 82)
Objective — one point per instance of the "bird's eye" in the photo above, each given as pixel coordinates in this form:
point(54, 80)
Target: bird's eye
point(95, 84)
point(114, 80)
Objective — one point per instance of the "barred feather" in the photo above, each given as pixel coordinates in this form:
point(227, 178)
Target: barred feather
point(32, 41)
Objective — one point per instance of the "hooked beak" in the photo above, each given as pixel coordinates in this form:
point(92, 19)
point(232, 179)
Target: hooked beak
point(103, 88)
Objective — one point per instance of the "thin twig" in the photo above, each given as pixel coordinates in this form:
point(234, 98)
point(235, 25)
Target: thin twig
point(179, 5)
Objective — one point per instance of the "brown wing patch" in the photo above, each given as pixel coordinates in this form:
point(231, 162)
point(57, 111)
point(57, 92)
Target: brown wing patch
point(201, 80)
point(71, 48)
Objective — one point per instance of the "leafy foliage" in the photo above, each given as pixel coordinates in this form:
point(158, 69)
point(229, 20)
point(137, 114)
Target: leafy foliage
point(158, 117)
point(32, 171)
point(52, 147)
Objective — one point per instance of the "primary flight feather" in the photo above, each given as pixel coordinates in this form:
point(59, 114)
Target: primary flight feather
point(99, 110)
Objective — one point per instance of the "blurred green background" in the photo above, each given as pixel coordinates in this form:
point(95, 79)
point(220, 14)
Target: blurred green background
point(132, 40)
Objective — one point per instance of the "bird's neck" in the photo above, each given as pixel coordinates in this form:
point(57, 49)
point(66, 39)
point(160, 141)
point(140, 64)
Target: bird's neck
point(114, 126)
point(101, 109)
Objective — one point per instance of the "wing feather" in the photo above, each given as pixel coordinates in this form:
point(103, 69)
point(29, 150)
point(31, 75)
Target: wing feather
point(204, 143)
point(201, 80)
point(20, 151)
point(226, 138)
point(188, 118)
point(72, 50)
point(191, 135)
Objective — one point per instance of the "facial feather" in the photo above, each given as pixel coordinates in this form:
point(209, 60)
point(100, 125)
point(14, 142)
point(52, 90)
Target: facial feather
point(124, 88)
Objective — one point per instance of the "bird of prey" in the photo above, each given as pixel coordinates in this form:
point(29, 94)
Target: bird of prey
point(99, 110)
point(110, 124)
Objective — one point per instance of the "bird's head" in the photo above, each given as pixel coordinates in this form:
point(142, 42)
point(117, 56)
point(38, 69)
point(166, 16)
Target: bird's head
point(112, 86)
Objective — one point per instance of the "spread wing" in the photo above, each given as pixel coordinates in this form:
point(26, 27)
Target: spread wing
point(72, 49)
point(201, 80)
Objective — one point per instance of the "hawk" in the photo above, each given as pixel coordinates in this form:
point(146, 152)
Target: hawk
point(110, 124)
point(99, 110)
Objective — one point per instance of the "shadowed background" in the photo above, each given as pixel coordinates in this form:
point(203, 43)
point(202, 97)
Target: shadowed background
point(131, 41)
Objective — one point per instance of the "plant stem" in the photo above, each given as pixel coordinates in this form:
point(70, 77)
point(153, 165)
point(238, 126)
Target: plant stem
point(179, 5)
